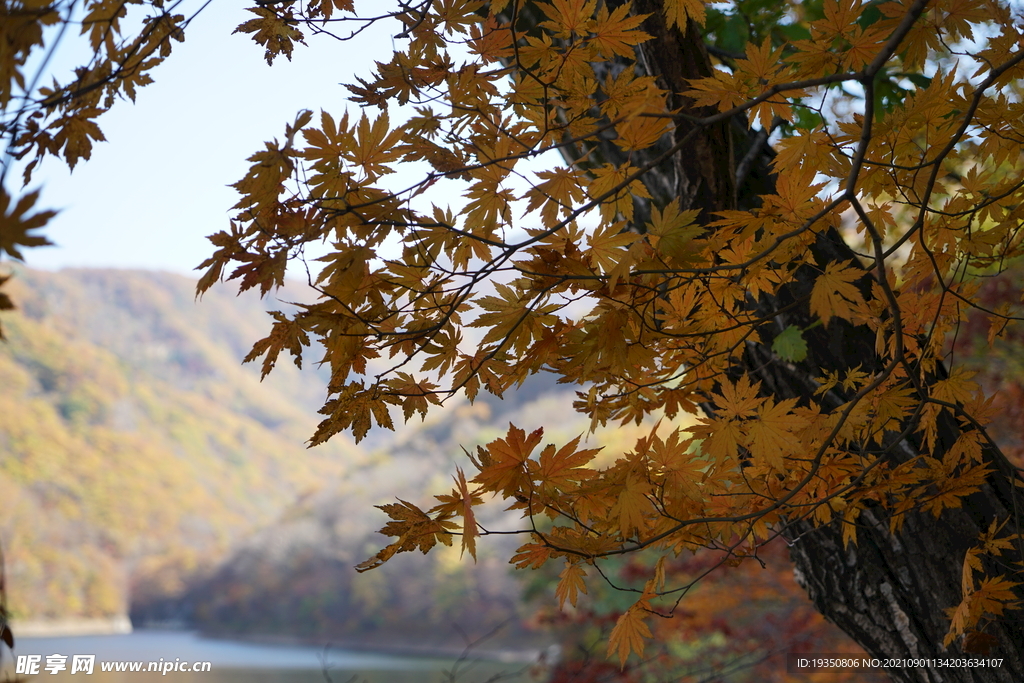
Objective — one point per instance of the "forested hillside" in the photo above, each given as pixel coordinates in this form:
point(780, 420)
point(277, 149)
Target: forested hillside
point(134, 447)
point(144, 468)
point(296, 577)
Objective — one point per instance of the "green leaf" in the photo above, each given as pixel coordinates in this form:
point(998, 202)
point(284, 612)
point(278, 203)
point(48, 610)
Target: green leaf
point(870, 14)
point(790, 345)
point(807, 118)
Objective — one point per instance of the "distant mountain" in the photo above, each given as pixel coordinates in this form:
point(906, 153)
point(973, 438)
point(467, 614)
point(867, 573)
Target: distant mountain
point(143, 468)
point(135, 450)
point(295, 576)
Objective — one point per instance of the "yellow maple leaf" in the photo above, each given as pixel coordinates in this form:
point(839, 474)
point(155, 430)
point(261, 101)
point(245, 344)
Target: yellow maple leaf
point(467, 500)
point(287, 333)
point(641, 132)
point(491, 40)
point(772, 434)
point(327, 7)
point(672, 231)
point(75, 133)
point(564, 468)
point(632, 506)
point(373, 147)
point(277, 33)
point(16, 224)
point(354, 408)
point(608, 245)
point(658, 582)
point(621, 203)
point(616, 33)
point(677, 12)
point(720, 89)
point(512, 319)
point(629, 633)
point(834, 294)
point(415, 529)
point(739, 399)
point(558, 193)
point(531, 555)
point(957, 388)
point(570, 584)
point(568, 17)
point(721, 437)
point(850, 515)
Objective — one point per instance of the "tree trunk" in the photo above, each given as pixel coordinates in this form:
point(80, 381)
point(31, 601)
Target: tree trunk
point(888, 592)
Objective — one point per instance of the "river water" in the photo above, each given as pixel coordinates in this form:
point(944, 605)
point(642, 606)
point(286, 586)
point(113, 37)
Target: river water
point(237, 662)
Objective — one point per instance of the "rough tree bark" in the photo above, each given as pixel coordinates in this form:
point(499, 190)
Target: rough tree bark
point(888, 592)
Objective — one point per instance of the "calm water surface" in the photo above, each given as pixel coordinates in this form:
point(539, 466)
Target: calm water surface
point(236, 662)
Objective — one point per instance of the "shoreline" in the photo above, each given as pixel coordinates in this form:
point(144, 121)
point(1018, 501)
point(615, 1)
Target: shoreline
point(503, 655)
point(77, 626)
point(122, 626)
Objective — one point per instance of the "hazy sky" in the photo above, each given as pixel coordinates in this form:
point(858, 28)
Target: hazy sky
point(159, 185)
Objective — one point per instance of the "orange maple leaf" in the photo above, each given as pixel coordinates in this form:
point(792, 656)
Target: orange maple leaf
point(502, 463)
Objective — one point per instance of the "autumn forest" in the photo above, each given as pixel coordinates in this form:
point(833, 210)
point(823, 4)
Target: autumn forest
point(693, 341)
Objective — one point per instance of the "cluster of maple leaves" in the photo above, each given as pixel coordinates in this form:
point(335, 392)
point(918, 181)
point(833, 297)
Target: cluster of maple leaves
point(931, 184)
point(737, 624)
point(647, 313)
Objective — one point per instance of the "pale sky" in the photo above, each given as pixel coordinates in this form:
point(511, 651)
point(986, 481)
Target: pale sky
point(149, 195)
